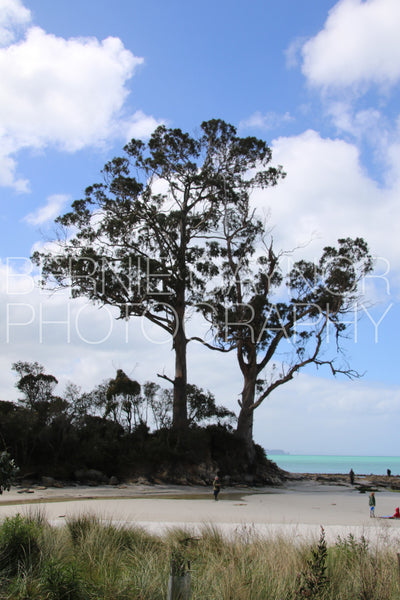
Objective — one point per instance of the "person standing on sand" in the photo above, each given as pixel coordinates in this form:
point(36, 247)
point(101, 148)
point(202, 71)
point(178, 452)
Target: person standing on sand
point(216, 487)
point(351, 475)
point(372, 503)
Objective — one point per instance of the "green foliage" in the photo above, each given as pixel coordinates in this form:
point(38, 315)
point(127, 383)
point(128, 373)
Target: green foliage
point(312, 580)
point(79, 527)
point(20, 544)
point(8, 471)
point(123, 398)
point(351, 549)
point(100, 443)
point(62, 581)
point(76, 440)
point(36, 385)
point(202, 407)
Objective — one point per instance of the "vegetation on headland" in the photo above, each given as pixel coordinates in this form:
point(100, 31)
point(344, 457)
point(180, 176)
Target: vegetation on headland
point(92, 560)
point(122, 431)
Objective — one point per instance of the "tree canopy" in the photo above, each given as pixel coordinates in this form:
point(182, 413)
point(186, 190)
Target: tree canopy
point(145, 240)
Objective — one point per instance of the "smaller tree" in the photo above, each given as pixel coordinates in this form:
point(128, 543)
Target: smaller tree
point(123, 397)
point(160, 402)
point(202, 407)
point(8, 471)
point(36, 385)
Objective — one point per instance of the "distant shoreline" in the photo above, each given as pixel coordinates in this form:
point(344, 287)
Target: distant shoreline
point(336, 464)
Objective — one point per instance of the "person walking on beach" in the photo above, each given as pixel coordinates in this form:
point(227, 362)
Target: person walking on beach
point(216, 487)
point(372, 503)
point(351, 475)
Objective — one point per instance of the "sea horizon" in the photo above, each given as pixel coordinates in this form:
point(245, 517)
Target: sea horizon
point(337, 463)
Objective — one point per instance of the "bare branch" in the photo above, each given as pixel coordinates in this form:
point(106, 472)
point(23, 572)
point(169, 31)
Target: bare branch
point(166, 378)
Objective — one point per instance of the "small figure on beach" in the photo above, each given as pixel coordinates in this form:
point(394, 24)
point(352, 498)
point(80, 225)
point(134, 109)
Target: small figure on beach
point(351, 475)
point(216, 487)
point(372, 504)
point(388, 472)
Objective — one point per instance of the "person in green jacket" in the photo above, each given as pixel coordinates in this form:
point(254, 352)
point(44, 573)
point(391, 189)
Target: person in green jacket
point(372, 504)
point(216, 487)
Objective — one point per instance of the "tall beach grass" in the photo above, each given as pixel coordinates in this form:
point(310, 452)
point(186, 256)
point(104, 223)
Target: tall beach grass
point(92, 559)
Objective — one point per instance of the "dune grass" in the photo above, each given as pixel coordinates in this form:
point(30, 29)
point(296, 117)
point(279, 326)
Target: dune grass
point(92, 559)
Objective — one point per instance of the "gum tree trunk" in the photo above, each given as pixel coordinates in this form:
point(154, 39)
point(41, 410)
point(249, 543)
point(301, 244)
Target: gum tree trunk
point(244, 429)
point(179, 412)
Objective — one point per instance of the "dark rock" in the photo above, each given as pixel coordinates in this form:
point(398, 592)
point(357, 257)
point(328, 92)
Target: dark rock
point(91, 477)
point(248, 479)
point(48, 481)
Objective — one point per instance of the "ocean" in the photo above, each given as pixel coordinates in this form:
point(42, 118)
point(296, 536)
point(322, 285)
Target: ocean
point(361, 465)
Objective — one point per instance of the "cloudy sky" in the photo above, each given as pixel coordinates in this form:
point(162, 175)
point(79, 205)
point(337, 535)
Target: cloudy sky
point(317, 79)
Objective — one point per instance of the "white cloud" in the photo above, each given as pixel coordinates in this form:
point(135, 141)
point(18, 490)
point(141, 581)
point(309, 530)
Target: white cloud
point(13, 16)
point(362, 124)
point(358, 46)
point(73, 339)
point(327, 195)
point(49, 211)
point(141, 126)
point(62, 93)
point(8, 170)
point(265, 121)
point(322, 193)
point(293, 52)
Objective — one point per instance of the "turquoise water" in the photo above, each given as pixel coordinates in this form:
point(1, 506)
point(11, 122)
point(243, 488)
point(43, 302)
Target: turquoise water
point(361, 465)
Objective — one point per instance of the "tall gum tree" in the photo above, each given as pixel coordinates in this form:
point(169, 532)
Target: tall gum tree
point(278, 322)
point(143, 240)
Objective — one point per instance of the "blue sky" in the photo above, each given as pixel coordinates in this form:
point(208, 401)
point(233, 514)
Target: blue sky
point(318, 79)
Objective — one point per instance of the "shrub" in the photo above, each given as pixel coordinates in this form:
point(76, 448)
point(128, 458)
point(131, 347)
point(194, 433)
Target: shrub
point(80, 526)
point(20, 544)
point(62, 581)
point(313, 581)
point(8, 471)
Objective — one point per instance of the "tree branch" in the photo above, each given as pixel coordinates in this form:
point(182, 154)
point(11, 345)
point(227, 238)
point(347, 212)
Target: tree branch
point(165, 377)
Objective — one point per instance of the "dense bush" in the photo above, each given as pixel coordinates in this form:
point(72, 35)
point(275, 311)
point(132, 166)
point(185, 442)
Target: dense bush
point(64, 446)
point(20, 544)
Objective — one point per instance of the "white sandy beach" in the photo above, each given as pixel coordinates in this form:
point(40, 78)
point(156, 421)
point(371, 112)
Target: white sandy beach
point(296, 510)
